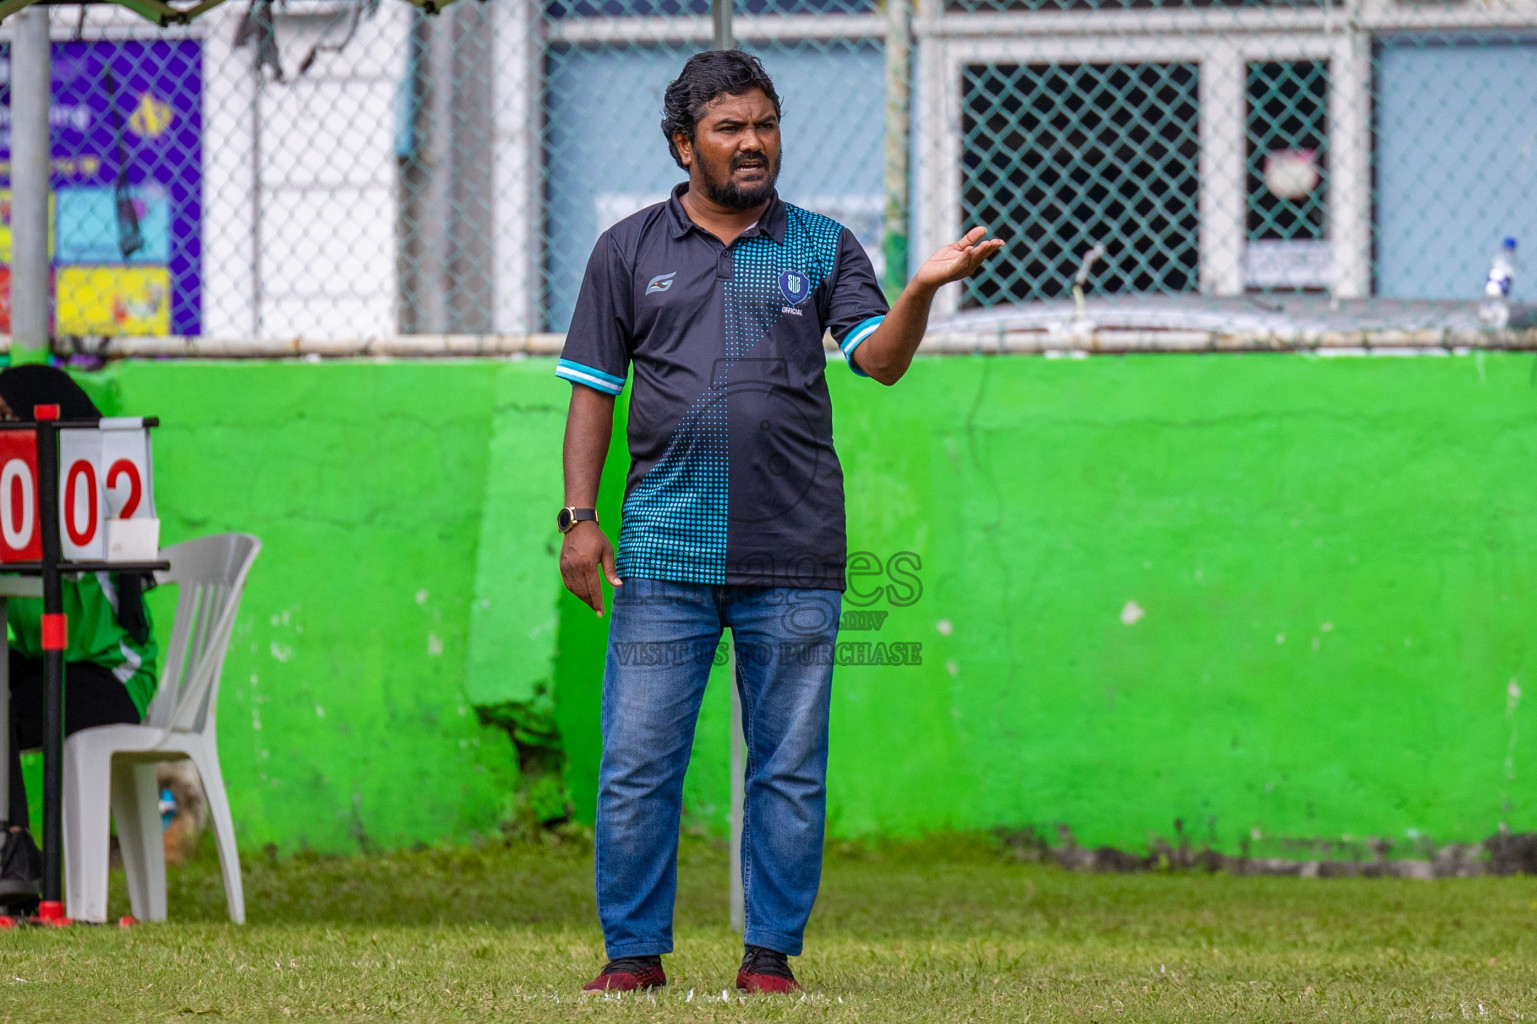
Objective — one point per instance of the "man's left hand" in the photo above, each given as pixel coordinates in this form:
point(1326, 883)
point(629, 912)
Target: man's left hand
point(958, 260)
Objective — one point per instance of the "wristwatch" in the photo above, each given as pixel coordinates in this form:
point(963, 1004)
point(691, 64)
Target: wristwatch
point(568, 517)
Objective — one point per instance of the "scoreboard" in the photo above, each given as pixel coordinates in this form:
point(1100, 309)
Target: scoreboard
point(106, 496)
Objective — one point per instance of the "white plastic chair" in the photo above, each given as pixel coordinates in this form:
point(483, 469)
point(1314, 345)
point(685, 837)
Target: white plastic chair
point(113, 766)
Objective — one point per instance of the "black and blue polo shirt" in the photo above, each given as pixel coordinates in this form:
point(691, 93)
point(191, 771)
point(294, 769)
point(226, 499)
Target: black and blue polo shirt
point(733, 478)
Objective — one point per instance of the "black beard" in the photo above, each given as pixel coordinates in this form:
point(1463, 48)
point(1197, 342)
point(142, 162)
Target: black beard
point(734, 197)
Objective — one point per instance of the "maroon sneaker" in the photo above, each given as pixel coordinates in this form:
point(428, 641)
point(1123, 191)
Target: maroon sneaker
point(766, 970)
point(628, 973)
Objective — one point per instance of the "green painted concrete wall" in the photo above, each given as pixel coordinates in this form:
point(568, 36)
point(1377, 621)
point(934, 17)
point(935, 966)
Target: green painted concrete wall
point(1277, 597)
point(1335, 558)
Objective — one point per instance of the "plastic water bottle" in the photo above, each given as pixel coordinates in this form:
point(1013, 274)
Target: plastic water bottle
point(1494, 310)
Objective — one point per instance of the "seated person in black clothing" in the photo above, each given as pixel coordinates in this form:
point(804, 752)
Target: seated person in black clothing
point(110, 670)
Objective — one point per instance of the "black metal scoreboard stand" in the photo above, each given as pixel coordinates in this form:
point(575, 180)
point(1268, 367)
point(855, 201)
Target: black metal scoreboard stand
point(58, 516)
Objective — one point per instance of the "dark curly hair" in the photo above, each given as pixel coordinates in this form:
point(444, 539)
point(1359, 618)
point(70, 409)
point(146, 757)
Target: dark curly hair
point(705, 77)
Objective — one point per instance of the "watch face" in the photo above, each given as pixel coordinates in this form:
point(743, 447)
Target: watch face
point(563, 520)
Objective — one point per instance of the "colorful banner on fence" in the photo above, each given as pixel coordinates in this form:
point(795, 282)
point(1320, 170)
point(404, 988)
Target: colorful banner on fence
point(125, 216)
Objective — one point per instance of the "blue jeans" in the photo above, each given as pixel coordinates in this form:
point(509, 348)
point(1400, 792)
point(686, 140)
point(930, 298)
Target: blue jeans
point(662, 641)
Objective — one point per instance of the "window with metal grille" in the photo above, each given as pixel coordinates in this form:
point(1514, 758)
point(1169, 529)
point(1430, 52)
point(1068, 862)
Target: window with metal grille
point(1060, 157)
point(1288, 174)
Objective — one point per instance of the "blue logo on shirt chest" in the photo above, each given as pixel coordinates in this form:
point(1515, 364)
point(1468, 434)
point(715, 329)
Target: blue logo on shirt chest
point(795, 286)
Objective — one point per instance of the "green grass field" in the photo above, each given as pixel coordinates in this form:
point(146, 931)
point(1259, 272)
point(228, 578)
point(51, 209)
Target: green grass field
point(948, 931)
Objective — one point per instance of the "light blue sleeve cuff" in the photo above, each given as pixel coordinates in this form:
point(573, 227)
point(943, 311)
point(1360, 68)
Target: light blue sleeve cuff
point(576, 373)
point(851, 341)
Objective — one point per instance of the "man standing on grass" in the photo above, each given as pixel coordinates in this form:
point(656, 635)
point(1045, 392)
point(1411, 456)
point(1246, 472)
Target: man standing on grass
point(717, 300)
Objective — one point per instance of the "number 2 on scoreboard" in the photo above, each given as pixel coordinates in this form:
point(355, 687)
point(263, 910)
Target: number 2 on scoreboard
point(122, 468)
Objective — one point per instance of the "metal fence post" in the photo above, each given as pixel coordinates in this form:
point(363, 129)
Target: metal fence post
point(738, 798)
point(30, 162)
point(720, 12)
point(426, 179)
point(1222, 169)
point(897, 143)
point(720, 16)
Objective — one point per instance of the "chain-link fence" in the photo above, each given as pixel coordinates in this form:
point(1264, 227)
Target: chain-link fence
point(354, 169)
